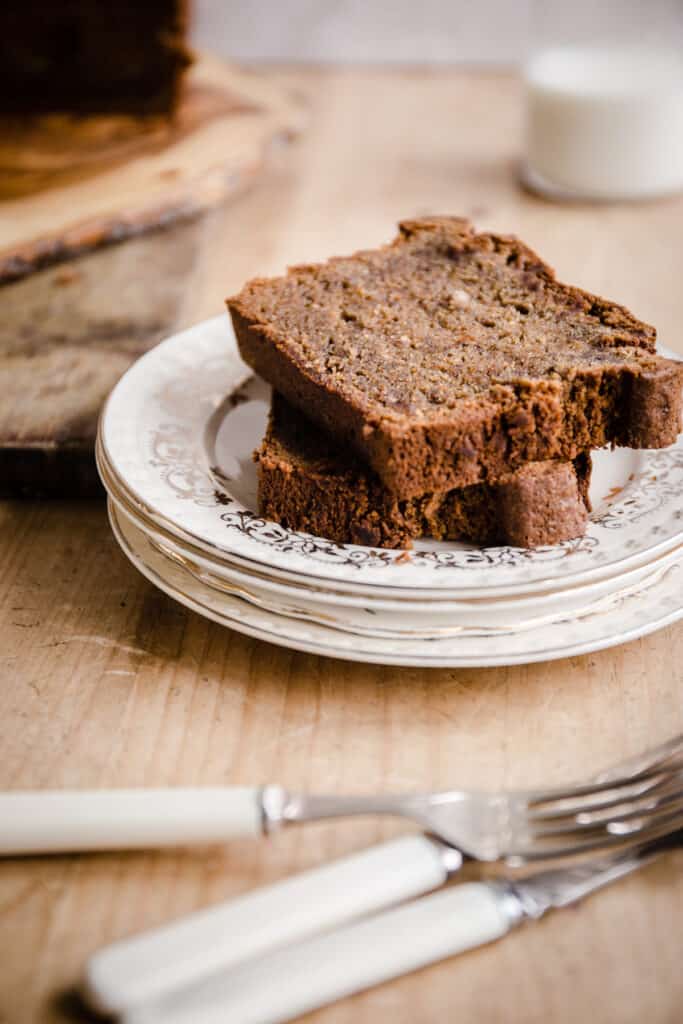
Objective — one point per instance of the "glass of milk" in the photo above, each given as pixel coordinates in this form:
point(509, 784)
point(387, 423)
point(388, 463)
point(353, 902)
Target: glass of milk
point(604, 100)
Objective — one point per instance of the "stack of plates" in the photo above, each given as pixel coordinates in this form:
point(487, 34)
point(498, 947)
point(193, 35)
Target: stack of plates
point(174, 452)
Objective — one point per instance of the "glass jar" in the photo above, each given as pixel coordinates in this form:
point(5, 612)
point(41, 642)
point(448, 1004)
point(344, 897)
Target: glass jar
point(604, 99)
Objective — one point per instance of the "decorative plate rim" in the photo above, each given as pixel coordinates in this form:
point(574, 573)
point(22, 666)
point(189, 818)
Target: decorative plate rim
point(352, 652)
point(161, 538)
point(161, 463)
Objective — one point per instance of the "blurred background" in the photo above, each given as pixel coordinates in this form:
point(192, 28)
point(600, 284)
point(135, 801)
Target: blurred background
point(405, 32)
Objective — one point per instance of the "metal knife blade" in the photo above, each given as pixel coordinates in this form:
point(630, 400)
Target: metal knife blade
point(546, 890)
point(293, 980)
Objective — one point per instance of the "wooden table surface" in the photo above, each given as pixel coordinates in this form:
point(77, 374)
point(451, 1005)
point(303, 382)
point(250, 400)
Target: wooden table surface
point(106, 682)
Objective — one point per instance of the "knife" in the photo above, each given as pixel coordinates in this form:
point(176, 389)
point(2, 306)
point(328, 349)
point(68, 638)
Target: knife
point(294, 980)
point(155, 963)
point(152, 964)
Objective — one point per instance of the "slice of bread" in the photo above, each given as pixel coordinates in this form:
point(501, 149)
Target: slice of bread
point(449, 358)
point(306, 484)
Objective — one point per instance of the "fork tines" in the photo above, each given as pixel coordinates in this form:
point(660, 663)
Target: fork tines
point(579, 819)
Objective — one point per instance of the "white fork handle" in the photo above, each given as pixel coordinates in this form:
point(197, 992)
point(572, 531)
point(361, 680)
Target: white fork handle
point(61, 821)
point(290, 982)
point(154, 964)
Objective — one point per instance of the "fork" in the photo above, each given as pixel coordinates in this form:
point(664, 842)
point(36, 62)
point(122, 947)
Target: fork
point(153, 964)
point(641, 798)
point(515, 827)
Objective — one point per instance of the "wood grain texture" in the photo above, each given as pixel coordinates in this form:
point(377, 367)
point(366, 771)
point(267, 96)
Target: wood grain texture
point(68, 332)
point(71, 184)
point(107, 682)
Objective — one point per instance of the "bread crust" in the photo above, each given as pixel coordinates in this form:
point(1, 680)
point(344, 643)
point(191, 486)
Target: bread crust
point(627, 396)
point(304, 484)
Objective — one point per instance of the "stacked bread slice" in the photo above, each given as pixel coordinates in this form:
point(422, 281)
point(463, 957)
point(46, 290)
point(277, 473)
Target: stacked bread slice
point(445, 385)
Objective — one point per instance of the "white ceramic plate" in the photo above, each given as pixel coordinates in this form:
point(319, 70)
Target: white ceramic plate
point(401, 619)
point(177, 434)
point(632, 617)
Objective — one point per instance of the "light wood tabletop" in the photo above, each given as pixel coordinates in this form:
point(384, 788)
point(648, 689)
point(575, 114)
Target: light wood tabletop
point(107, 682)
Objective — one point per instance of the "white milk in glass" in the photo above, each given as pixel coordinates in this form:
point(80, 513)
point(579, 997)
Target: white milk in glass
point(605, 122)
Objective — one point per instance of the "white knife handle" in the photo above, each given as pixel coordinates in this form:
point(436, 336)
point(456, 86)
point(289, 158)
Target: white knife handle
point(63, 821)
point(290, 982)
point(155, 964)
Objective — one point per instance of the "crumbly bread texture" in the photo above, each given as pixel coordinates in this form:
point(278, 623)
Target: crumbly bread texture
point(305, 484)
point(448, 358)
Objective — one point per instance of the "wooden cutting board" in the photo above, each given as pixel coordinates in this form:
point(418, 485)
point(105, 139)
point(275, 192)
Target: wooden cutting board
point(66, 336)
point(78, 306)
point(72, 184)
